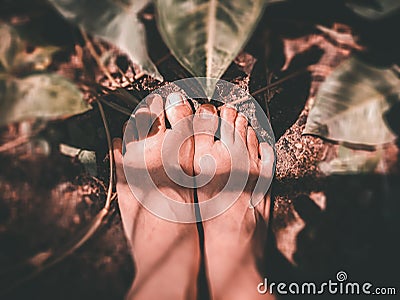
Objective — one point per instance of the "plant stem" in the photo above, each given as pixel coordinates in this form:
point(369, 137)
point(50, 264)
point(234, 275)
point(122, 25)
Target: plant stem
point(116, 107)
point(278, 82)
point(111, 155)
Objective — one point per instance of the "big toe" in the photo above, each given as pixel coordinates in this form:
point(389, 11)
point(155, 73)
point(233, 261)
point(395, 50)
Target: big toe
point(178, 110)
point(143, 121)
point(156, 107)
point(205, 124)
point(179, 140)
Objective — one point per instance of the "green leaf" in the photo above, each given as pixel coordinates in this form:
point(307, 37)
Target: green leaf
point(206, 35)
point(350, 104)
point(114, 21)
point(14, 56)
point(39, 96)
point(373, 9)
point(37, 60)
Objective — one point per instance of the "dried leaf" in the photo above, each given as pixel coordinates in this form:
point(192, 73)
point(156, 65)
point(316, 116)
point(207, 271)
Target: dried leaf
point(350, 104)
point(205, 36)
point(45, 96)
point(39, 259)
point(114, 21)
point(87, 158)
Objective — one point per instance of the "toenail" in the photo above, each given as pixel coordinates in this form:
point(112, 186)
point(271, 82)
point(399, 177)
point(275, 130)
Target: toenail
point(142, 108)
point(176, 98)
point(205, 113)
point(152, 97)
point(245, 119)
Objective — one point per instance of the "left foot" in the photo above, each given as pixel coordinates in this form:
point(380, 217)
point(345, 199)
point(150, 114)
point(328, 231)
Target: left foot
point(166, 254)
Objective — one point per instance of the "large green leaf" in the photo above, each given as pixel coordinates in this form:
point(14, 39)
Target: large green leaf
point(114, 21)
point(39, 96)
point(206, 35)
point(350, 104)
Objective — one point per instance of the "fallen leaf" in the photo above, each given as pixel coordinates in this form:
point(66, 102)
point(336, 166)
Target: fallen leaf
point(45, 96)
point(14, 57)
point(350, 104)
point(351, 161)
point(205, 36)
point(114, 21)
point(39, 259)
point(373, 9)
point(87, 158)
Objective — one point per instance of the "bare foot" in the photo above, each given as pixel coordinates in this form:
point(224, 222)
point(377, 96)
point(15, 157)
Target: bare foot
point(166, 254)
point(234, 240)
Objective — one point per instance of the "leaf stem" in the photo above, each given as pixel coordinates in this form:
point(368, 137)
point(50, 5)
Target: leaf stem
point(278, 82)
point(116, 107)
point(111, 155)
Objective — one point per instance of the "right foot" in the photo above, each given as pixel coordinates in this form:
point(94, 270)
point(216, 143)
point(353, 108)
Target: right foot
point(234, 240)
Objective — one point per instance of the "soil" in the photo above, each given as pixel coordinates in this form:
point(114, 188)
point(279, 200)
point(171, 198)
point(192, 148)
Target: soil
point(320, 224)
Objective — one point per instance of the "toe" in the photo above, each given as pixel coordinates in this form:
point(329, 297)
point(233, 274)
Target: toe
point(205, 124)
point(177, 108)
point(130, 131)
point(252, 143)
point(267, 156)
point(143, 121)
point(156, 106)
point(228, 116)
point(241, 128)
